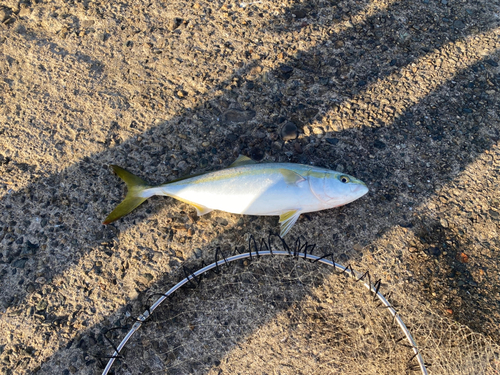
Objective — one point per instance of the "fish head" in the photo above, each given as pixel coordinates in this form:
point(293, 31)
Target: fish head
point(335, 188)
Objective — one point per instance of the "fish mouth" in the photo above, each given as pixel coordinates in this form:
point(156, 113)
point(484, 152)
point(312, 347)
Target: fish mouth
point(360, 189)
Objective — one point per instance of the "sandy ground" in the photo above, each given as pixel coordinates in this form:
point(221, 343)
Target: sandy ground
point(401, 94)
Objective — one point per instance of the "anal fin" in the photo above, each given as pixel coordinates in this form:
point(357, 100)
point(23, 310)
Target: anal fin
point(287, 220)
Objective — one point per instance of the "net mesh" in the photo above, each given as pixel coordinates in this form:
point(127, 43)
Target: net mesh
point(283, 315)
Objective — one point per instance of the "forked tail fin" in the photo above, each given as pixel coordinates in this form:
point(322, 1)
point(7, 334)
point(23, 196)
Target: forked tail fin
point(134, 198)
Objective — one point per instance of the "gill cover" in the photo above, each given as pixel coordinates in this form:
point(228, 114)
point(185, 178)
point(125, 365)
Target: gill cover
point(317, 185)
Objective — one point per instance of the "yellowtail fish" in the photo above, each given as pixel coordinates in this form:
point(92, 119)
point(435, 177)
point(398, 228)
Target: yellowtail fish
point(245, 187)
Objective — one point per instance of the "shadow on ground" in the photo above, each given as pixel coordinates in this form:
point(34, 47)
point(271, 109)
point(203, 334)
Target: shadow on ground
point(405, 149)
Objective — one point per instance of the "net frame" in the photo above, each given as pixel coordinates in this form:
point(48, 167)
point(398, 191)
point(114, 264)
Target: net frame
point(302, 252)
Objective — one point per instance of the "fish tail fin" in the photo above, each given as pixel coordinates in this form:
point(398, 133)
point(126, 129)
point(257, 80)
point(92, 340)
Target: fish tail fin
point(136, 194)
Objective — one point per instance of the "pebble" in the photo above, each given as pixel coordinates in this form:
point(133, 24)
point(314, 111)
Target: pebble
point(174, 24)
point(379, 144)
point(318, 131)
point(203, 163)
point(458, 24)
point(436, 251)
point(257, 154)
point(20, 263)
point(332, 141)
point(182, 165)
point(4, 14)
point(491, 62)
point(198, 253)
point(286, 71)
point(444, 223)
point(236, 116)
point(299, 13)
point(41, 305)
point(221, 221)
point(289, 131)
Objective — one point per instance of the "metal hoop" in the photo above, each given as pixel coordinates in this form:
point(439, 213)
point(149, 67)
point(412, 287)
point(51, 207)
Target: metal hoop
point(347, 270)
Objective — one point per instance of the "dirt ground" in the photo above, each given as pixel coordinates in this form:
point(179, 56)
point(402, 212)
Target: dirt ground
point(401, 94)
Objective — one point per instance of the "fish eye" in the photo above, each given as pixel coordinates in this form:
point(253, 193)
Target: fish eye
point(344, 179)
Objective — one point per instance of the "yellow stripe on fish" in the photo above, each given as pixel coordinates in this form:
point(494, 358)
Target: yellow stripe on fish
point(245, 187)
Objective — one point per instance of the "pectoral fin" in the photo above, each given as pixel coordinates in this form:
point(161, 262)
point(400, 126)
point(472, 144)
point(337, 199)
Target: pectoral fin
point(287, 220)
point(242, 160)
point(291, 177)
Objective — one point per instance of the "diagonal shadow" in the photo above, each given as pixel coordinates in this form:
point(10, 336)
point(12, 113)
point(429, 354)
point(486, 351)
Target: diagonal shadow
point(60, 206)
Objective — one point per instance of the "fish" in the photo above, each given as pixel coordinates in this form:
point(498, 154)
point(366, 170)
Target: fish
point(246, 187)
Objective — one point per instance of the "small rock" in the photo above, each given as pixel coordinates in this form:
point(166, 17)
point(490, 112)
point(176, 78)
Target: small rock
point(339, 44)
point(41, 305)
point(257, 154)
point(87, 23)
point(289, 131)
point(182, 165)
point(286, 71)
point(357, 247)
point(379, 144)
point(463, 258)
point(198, 253)
point(235, 116)
point(203, 163)
point(4, 14)
point(181, 94)
point(174, 23)
point(20, 263)
point(444, 223)
point(458, 24)
point(221, 221)
point(205, 144)
point(318, 131)
point(298, 148)
point(436, 251)
point(299, 13)
point(332, 141)
point(30, 288)
point(491, 62)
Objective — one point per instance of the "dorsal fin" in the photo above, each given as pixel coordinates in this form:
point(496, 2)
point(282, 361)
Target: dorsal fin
point(242, 160)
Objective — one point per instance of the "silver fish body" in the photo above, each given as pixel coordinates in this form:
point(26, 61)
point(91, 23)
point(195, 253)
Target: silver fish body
point(283, 189)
